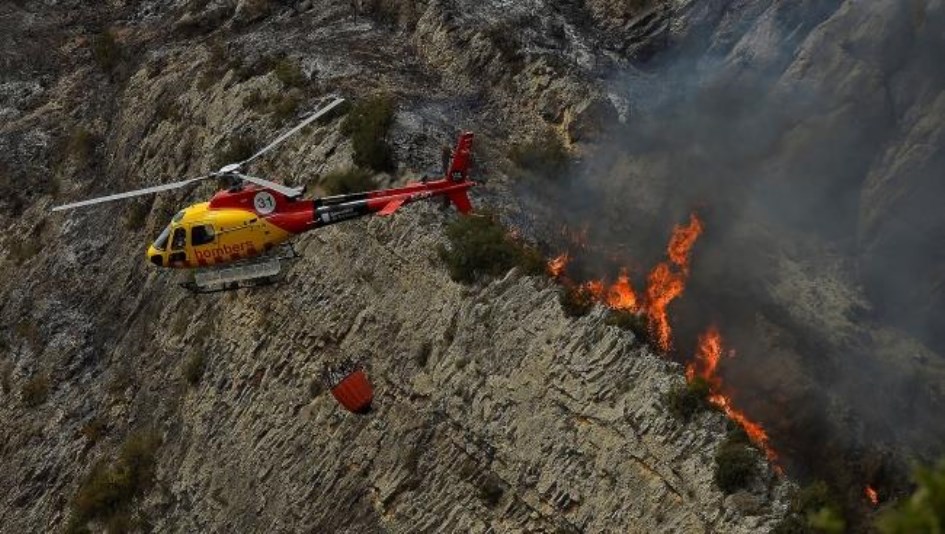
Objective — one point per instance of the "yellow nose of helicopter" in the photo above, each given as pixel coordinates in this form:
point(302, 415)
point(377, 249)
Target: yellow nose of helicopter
point(155, 256)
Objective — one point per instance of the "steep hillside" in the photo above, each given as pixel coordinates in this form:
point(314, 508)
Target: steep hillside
point(807, 135)
point(494, 410)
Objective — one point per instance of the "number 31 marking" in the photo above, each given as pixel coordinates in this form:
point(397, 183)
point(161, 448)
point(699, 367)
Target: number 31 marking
point(264, 203)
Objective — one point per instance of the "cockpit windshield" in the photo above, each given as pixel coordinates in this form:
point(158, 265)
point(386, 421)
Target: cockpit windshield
point(161, 242)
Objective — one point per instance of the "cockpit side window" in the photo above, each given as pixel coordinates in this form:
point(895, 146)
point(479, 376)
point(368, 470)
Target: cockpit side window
point(201, 235)
point(180, 239)
point(161, 242)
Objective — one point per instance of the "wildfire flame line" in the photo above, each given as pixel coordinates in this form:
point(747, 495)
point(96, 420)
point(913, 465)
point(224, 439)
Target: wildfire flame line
point(706, 365)
point(558, 264)
point(665, 283)
point(871, 495)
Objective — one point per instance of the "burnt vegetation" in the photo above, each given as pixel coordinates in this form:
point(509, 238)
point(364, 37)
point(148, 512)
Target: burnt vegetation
point(481, 246)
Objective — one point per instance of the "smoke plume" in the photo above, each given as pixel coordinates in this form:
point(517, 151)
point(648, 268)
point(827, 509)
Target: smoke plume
point(804, 134)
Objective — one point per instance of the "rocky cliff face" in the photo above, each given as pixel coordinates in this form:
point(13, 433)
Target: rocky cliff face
point(494, 412)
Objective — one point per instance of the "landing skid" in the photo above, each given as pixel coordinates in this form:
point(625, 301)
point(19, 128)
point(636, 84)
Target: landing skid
point(257, 272)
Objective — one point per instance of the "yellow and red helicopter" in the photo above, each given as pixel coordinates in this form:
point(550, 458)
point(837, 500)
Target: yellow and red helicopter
point(233, 238)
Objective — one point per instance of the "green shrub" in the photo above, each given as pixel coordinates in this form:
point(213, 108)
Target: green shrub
point(35, 391)
point(544, 156)
point(924, 510)
point(367, 124)
point(627, 320)
point(735, 466)
point(576, 301)
point(828, 521)
point(481, 246)
point(684, 401)
point(812, 497)
point(289, 73)
point(347, 181)
point(105, 50)
point(284, 107)
point(814, 509)
point(108, 491)
point(194, 368)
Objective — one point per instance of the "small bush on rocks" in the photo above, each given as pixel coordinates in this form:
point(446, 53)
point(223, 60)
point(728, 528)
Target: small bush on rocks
point(684, 401)
point(481, 246)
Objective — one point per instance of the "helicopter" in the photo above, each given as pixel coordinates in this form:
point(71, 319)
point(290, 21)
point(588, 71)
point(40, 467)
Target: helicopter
point(241, 236)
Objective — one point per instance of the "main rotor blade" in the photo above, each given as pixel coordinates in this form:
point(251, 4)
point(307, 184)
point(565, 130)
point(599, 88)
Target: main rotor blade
point(287, 191)
point(315, 116)
point(129, 194)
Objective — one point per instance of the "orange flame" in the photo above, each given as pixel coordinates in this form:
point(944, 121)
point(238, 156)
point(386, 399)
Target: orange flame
point(871, 495)
point(706, 366)
point(707, 359)
point(665, 284)
point(557, 265)
point(680, 245)
point(621, 296)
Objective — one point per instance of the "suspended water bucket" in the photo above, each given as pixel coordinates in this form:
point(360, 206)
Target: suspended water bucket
point(350, 386)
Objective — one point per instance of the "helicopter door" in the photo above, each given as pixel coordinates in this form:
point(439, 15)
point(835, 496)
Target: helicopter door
point(178, 246)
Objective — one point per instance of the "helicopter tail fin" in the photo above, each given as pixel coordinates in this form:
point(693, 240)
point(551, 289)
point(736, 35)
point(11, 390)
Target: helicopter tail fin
point(461, 159)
